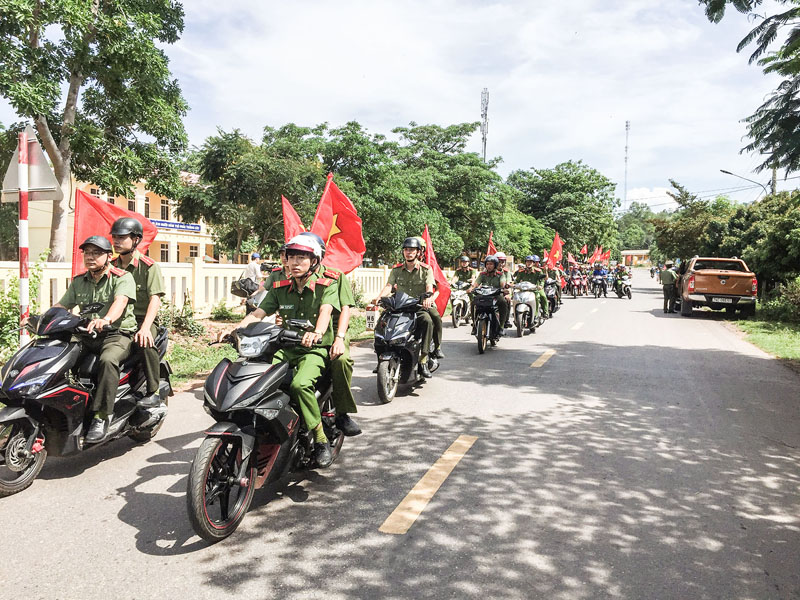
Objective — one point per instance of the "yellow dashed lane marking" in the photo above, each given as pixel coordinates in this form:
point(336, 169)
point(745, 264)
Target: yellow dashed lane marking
point(403, 517)
point(543, 359)
point(577, 326)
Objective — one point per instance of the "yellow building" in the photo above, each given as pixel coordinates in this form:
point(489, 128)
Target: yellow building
point(634, 258)
point(176, 241)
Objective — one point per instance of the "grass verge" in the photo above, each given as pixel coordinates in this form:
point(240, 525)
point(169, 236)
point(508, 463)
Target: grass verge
point(191, 361)
point(779, 338)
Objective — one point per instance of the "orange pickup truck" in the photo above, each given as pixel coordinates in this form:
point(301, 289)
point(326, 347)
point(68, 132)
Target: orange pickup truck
point(718, 283)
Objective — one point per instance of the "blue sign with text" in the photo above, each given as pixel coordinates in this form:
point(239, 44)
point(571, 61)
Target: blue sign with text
point(175, 225)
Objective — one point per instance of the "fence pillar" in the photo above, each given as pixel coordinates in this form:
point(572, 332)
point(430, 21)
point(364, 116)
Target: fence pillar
point(197, 290)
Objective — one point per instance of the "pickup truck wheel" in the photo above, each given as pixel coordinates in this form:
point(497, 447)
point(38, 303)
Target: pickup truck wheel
point(686, 308)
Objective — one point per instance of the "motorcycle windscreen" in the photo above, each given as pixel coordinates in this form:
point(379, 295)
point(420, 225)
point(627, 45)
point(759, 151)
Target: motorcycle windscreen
point(398, 328)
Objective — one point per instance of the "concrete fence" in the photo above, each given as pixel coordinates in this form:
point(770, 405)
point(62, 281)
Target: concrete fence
point(203, 284)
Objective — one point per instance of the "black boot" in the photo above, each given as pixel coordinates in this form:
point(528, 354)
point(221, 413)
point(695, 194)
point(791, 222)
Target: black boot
point(347, 425)
point(425, 371)
point(323, 454)
point(150, 401)
point(97, 431)
point(437, 353)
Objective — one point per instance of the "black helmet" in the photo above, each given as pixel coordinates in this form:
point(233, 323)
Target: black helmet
point(99, 241)
point(317, 238)
point(127, 226)
point(464, 258)
point(491, 259)
point(531, 257)
point(412, 242)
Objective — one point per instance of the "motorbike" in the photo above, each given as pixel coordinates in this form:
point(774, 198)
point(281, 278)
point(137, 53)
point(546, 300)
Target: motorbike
point(552, 294)
point(460, 303)
point(575, 285)
point(398, 342)
point(525, 307)
point(598, 285)
point(585, 284)
point(623, 287)
point(47, 388)
point(259, 435)
point(487, 316)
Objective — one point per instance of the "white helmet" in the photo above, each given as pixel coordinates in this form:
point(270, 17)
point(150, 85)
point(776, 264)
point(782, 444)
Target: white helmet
point(305, 243)
point(501, 256)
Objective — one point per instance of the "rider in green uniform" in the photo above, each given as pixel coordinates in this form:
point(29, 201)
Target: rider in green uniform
point(536, 275)
point(307, 295)
point(116, 291)
point(493, 277)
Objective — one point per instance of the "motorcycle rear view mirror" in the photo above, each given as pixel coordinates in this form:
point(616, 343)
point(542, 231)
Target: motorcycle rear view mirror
point(91, 308)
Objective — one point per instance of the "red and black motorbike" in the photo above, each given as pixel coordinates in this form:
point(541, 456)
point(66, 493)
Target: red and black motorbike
point(259, 435)
point(47, 388)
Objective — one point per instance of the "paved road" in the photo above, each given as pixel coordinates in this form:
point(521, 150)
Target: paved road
point(652, 456)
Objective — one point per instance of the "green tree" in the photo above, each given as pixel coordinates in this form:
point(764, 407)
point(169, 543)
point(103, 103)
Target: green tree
point(97, 86)
point(773, 128)
point(573, 199)
point(9, 212)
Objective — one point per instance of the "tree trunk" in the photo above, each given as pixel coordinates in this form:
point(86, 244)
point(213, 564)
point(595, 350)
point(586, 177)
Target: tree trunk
point(59, 224)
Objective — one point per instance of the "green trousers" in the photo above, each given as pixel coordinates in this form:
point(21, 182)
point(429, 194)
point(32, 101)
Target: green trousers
point(544, 305)
point(149, 360)
point(342, 379)
point(431, 325)
point(309, 364)
point(112, 349)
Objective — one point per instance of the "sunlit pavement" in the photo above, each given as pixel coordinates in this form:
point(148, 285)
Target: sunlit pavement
point(647, 456)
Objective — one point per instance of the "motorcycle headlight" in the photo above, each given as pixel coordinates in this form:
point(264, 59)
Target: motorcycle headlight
point(33, 386)
point(253, 346)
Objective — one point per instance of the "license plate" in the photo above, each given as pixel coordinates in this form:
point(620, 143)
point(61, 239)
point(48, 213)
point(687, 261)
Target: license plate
point(724, 300)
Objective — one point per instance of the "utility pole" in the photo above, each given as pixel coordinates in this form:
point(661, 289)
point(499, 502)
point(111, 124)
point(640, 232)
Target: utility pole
point(484, 118)
point(625, 196)
point(774, 179)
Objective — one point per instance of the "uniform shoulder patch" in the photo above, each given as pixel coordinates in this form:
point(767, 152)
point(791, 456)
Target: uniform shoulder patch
point(331, 275)
point(323, 281)
point(397, 265)
point(425, 265)
point(276, 269)
point(116, 271)
point(147, 260)
point(281, 283)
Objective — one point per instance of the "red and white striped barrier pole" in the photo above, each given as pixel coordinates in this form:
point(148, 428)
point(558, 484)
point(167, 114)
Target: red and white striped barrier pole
point(24, 289)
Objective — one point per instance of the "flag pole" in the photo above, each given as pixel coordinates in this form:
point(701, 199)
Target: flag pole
point(24, 286)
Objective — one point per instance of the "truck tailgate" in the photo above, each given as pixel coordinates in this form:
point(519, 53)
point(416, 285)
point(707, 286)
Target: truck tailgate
point(727, 283)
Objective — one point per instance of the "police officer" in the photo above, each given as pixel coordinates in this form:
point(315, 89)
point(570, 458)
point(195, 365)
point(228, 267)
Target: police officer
point(600, 271)
point(415, 278)
point(341, 362)
point(464, 273)
point(307, 294)
point(115, 289)
point(126, 233)
point(494, 277)
point(668, 277)
point(537, 275)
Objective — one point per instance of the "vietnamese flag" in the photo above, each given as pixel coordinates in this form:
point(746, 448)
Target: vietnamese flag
point(606, 256)
point(584, 250)
point(555, 251)
point(490, 249)
point(339, 225)
point(292, 225)
point(546, 258)
point(94, 216)
point(442, 284)
point(571, 259)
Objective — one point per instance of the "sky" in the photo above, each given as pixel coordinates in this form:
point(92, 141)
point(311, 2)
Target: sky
point(563, 78)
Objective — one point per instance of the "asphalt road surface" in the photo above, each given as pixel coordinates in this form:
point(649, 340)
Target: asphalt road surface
point(650, 456)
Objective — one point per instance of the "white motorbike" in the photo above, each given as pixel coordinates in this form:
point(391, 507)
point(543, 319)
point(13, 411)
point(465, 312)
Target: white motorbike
point(461, 306)
point(525, 309)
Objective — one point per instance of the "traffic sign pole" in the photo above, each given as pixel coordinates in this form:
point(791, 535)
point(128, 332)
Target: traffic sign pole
point(24, 289)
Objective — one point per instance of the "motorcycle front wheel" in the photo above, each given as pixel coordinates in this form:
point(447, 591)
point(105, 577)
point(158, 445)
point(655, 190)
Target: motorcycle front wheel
point(17, 471)
point(455, 315)
point(481, 334)
point(628, 292)
point(217, 502)
point(388, 379)
point(520, 325)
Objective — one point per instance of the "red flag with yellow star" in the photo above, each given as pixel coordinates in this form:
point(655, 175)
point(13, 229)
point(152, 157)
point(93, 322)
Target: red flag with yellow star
point(555, 252)
point(292, 225)
point(442, 285)
point(490, 249)
point(339, 225)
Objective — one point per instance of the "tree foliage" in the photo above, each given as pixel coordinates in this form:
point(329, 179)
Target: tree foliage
point(571, 198)
point(774, 128)
point(96, 84)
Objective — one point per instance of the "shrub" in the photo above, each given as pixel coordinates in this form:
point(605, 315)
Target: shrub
point(179, 320)
point(9, 309)
point(221, 312)
point(784, 303)
point(358, 294)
